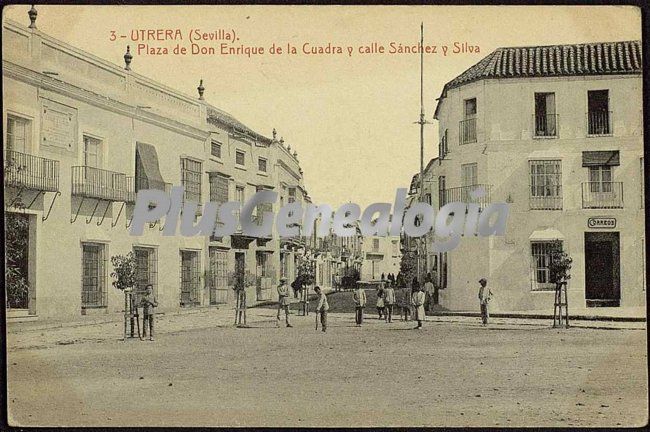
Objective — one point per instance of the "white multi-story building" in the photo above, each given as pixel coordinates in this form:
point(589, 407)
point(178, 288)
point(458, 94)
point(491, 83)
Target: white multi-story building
point(556, 132)
point(82, 136)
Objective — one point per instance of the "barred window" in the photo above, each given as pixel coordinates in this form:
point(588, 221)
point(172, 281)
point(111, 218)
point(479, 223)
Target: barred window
point(146, 270)
point(93, 281)
point(292, 195)
point(240, 157)
point(215, 149)
point(545, 184)
point(541, 260)
point(261, 164)
point(375, 245)
point(191, 179)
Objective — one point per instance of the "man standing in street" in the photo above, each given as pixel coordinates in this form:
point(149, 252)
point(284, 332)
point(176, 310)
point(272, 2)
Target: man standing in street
point(322, 307)
point(484, 296)
point(283, 300)
point(359, 303)
point(418, 305)
point(389, 301)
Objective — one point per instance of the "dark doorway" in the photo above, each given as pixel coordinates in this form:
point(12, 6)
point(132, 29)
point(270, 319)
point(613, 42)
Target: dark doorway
point(602, 269)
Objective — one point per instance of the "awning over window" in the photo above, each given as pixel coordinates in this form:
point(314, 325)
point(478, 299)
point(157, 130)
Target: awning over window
point(593, 158)
point(149, 175)
point(547, 234)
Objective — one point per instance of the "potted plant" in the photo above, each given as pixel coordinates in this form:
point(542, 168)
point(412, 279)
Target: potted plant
point(559, 274)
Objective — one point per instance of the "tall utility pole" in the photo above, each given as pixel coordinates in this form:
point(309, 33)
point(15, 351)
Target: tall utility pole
point(422, 241)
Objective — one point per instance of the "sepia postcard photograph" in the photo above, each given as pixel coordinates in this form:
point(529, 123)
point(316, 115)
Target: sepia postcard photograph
point(324, 216)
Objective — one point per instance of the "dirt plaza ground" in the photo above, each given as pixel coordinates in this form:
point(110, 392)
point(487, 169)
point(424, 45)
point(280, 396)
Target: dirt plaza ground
point(202, 371)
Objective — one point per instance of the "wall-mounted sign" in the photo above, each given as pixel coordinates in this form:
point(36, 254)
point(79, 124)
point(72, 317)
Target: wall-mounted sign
point(601, 222)
point(58, 126)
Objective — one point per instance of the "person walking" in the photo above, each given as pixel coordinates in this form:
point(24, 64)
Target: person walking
point(148, 303)
point(380, 300)
point(418, 298)
point(322, 308)
point(283, 300)
point(484, 297)
point(359, 297)
point(389, 301)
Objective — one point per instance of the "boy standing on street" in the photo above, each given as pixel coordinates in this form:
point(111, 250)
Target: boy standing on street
point(359, 303)
point(418, 298)
point(283, 300)
point(322, 308)
point(484, 296)
point(148, 303)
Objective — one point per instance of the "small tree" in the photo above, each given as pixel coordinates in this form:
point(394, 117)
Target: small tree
point(560, 264)
point(305, 271)
point(408, 267)
point(124, 272)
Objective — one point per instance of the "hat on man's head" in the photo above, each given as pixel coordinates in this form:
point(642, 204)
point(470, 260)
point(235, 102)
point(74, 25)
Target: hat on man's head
point(283, 279)
point(482, 280)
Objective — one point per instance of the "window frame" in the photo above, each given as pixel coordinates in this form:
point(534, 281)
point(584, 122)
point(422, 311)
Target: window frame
point(27, 133)
point(546, 284)
point(99, 289)
point(243, 156)
point(262, 161)
point(218, 145)
point(193, 178)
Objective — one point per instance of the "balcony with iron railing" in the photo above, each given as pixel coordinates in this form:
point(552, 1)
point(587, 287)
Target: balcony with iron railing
point(473, 194)
point(602, 195)
point(599, 123)
point(545, 125)
point(467, 131)
point(545, 202)
point(102, 184)
point(31, 172)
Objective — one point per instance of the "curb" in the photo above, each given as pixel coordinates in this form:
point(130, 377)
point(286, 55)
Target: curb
point(544, 316)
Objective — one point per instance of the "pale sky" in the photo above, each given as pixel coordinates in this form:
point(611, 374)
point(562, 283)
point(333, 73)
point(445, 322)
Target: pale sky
point(349, 118)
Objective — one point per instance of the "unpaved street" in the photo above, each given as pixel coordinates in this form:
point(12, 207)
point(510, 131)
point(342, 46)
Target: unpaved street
point(450, 373)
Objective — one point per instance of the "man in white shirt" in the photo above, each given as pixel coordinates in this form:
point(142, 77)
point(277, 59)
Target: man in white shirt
point(322, 307)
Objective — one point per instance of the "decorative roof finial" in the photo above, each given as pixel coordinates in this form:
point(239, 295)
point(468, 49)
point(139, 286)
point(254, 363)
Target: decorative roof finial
point(127, 58)
point(289, 148)
point(282, 140)
point(201, 89)
point(32, 17)
point(275, 134)
point(295, 154)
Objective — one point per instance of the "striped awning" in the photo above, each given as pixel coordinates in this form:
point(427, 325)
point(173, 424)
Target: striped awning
point(593, 158)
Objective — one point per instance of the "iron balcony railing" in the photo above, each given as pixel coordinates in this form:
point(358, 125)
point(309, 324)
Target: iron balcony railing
point(97, 183)
point(468, 194)
point(31, 172)
point(545, 125)
point(467, 131)
point(549, 202)
point(602, 195)
point(599, 123)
